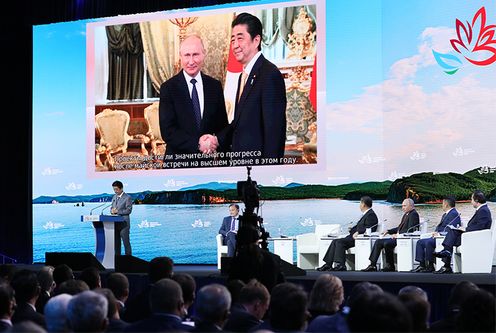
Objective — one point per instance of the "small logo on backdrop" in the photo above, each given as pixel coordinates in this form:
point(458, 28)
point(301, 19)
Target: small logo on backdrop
point(475, 42)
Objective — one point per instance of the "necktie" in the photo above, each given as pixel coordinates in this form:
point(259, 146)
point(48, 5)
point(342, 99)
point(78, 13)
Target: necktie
point(403, 221)
point(242, 84)
point(196, 104)
point(233, 225)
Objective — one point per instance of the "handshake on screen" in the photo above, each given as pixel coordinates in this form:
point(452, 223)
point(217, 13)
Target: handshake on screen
point(208, 144)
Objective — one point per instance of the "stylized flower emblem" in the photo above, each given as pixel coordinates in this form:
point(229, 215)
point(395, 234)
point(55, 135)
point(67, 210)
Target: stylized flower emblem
point(476, 41)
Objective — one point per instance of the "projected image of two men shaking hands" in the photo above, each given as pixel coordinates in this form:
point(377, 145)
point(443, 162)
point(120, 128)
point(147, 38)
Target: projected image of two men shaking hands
point(193, 118)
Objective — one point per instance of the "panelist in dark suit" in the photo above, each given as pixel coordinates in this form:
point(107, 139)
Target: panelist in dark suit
point(480, 220)
point(425, 247)
point(336, 251)
point(259, 123)
point(192, 108)
point(122, 204)
point(409, 223)
point(229, 229)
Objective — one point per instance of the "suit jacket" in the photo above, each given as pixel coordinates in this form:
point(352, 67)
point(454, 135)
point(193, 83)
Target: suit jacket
point(368, 220)
point(226, 225)
point(481, 219)
point(411, 224)
point(4, 326)
point(451, 218)
point(177, 124)
point(124, 206)
point(159, 322)
point(240, 320)
point(25, 312)
point(259, 122)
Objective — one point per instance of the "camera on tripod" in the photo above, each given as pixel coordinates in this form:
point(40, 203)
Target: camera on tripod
point(249, 194)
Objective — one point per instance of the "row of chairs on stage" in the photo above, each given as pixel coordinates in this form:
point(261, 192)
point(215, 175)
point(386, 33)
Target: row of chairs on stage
point(476, 254)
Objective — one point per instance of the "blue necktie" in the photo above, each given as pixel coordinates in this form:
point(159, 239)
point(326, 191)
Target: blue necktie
point(196, 104)
point(233, 225)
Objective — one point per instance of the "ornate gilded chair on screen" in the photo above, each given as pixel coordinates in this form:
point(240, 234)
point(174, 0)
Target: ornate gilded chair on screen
point(112, 127)
point(152, 119)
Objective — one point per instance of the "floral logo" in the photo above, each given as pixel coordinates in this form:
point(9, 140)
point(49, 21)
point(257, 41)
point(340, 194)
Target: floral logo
point(475, 42)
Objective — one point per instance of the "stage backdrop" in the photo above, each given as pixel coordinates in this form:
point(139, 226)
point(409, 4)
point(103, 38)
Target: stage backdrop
point(387, 99)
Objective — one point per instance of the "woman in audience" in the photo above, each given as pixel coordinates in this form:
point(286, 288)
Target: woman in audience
point(326, 296)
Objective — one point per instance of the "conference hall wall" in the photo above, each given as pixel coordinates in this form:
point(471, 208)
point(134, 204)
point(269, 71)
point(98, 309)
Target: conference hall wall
point(387, 99)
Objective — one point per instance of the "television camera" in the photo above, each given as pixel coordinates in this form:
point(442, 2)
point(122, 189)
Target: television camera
point(249, 193)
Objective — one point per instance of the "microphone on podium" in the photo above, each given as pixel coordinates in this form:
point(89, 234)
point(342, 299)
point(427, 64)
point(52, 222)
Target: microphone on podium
point(103, 204)
point(105, 208)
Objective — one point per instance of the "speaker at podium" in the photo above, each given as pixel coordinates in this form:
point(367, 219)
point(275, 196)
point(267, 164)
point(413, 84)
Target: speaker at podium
point(108, 241)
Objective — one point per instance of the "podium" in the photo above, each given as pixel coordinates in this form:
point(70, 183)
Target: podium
point(108, 240)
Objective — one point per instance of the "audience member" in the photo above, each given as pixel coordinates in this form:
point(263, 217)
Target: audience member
point(250, 309)
point(378, 312)
point(91, 275)
point(72, 287)
point(61, 273)
point(410, 289)
point(188, 287)
point(87, 312)
point(326, 296)
point(234, 286)
point(138, 307)
point(167, 309)
point(477, 313)
point(115, 323)
point(459, 293)
point(56, 313)
point(419, 308)
point(27, 326)
point(47, 285)
point(119, 284)
point(250, 261)
point(27, 290)
point(212, 306)
point(288, 308)
point(338, 322)
point(7, 272)
point(7, 306)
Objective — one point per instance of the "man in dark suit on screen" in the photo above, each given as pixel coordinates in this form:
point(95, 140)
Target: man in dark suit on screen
point(259, 123)
point(192, 108)
point(481, 220)
point(336, 251)
point(409, 223)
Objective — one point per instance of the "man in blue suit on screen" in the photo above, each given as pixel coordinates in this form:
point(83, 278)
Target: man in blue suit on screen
point(229, 229)
point(481, 220)
point(259, 123)
point(122, 204)
point(425, 247)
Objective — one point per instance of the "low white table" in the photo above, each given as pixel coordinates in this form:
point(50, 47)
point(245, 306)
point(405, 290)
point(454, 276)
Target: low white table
point(284, 248)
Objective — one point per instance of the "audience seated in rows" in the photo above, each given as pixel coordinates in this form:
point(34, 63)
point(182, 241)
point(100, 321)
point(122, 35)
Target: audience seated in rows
point(138, 307)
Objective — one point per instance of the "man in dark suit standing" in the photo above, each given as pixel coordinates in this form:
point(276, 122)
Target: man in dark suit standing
point(259, 123)
point(122, 204)
point(336, 251)
point(425, 247)
point(481, 220)
point(409, 222)
point(192, 108)
point(229, 229)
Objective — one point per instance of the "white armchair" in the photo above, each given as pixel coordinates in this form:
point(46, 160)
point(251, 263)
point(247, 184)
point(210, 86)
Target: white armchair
point(468, 258)
point(221, 249)
point(308, 245)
